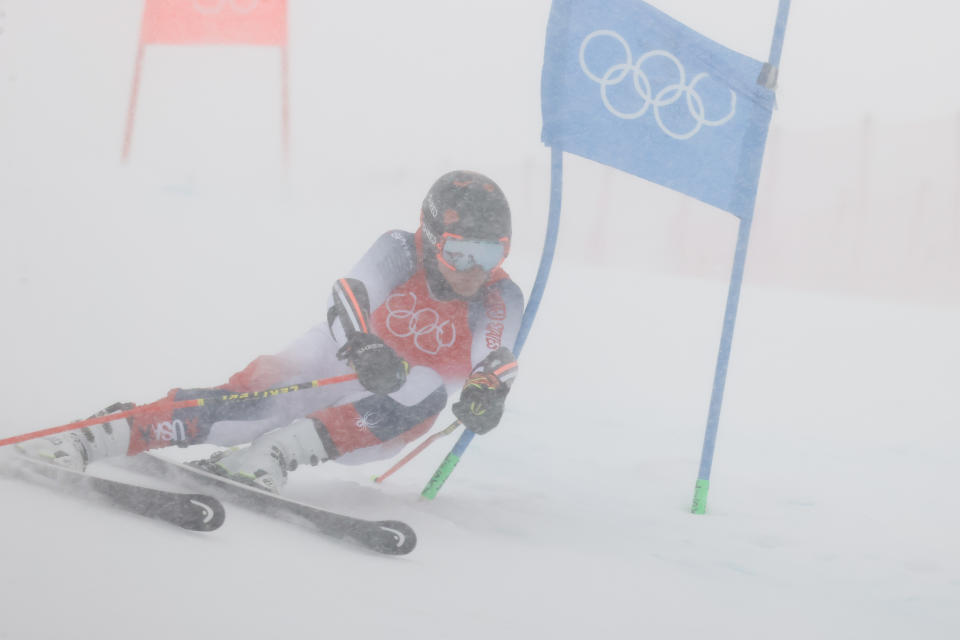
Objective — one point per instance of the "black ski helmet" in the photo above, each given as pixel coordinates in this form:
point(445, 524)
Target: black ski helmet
point(465, 203)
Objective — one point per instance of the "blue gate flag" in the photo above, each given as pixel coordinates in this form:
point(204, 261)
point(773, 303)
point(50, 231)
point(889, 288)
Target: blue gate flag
point(628, 86)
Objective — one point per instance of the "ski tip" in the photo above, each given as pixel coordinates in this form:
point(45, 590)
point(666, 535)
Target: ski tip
point(208, 512)
point(396, 538)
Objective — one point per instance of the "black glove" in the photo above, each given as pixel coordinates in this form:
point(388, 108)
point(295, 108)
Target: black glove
point(379, 368)
point(480, 406)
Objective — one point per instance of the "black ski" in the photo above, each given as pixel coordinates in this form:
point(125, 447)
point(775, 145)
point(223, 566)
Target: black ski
point(193, 511)
point(384, 536)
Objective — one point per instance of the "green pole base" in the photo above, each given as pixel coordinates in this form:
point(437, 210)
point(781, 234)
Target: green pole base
point(700, 497)
point(443, 472)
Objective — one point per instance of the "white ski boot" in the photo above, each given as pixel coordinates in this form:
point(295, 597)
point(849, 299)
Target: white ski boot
point(265, 463)
point(76, 449)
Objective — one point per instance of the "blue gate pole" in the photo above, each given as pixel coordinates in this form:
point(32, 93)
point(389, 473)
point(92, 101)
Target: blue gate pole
point(543, 273)
point(779, 29)
point(720, 375)
point(733, 298)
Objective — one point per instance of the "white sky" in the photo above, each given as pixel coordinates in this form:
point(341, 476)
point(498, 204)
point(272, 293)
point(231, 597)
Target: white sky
point(443, 61)
point(844, 58)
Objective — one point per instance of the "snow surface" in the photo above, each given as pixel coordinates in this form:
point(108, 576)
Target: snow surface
point(831, 513)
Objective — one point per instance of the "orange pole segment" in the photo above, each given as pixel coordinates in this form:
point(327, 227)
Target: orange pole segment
point(423, 445)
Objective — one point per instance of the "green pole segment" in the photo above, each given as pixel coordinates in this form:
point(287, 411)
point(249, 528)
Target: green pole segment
point(700, 497)
point(440, 476)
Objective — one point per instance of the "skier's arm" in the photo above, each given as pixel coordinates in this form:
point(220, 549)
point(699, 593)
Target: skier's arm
point(484, 393)
point(388, 263)
point(495, 324)
point(495, 320)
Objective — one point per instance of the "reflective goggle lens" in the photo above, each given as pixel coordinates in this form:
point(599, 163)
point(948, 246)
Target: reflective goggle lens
point(463, 255)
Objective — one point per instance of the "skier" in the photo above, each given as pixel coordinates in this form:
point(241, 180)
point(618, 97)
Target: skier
point(419, 313)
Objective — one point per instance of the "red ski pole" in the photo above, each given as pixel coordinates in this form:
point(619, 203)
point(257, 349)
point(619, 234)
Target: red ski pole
point(423, 445)
point(199, 402)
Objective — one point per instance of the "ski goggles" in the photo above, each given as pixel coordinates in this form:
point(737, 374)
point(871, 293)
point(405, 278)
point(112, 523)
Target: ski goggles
point(459, 254)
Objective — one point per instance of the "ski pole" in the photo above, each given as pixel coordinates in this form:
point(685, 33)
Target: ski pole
point(410, 456)
point(180, 404)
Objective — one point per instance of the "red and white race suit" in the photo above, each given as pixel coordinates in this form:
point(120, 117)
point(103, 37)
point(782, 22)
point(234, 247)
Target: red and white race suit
point(441, 339)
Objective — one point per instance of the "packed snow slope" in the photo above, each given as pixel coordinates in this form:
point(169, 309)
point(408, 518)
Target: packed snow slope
point(831, 512)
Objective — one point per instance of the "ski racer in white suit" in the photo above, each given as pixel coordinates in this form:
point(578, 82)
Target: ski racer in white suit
point(420, 314)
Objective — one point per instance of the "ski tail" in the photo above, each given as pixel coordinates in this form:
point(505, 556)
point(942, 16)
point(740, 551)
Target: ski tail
point(192, 511)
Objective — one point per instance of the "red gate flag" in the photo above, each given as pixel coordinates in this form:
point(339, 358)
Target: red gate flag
point(254, 22)
point(214, 22)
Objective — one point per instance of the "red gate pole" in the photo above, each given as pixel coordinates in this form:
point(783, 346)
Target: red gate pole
point(134, 94)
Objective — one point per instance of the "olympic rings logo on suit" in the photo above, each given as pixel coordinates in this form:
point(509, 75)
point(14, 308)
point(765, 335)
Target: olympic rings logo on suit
point(405, 320)
point(666, 96)
point(211, 7)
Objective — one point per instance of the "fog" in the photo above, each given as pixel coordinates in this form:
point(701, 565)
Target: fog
point(214, 242)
